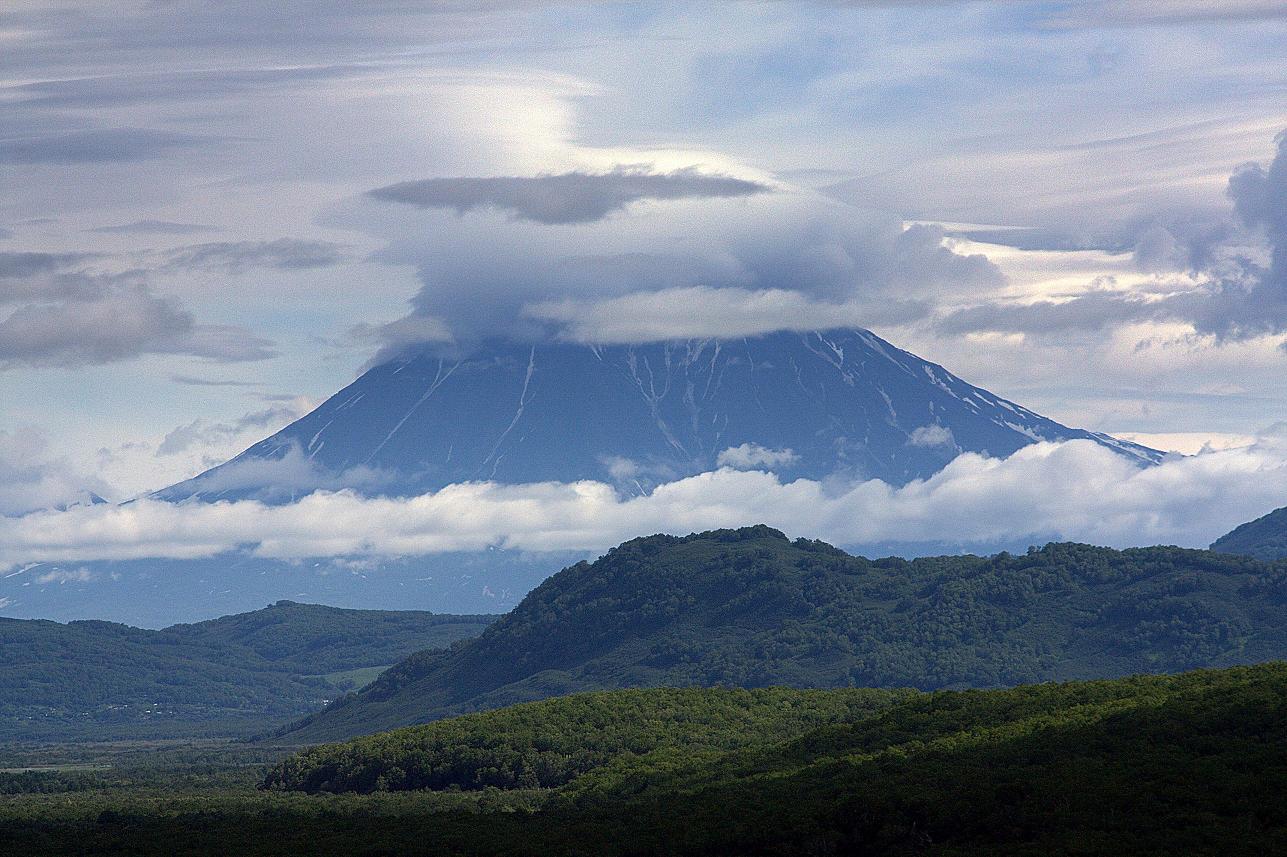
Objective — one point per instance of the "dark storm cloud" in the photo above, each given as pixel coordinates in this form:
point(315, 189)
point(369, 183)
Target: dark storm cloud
point(94, 146)
point(573, 197)
point(154, 227)
point(234, 256)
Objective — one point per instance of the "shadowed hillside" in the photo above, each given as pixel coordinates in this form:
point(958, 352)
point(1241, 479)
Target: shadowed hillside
point(1264, 538)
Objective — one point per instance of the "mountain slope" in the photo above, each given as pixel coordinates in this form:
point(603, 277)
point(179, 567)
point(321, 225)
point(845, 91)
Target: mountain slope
point(1264, 538)
point(810, 404)
point(751, 608)
point(231, 673)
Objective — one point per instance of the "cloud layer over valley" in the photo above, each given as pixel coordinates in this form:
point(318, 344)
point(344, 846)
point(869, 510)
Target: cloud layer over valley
point(1071, 491)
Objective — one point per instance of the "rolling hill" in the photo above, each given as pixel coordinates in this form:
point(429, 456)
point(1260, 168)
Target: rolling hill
point(233, 675)
point(751, 608)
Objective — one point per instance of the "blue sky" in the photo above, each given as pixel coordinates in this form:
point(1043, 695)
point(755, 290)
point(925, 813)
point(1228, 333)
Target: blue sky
point(1036, 195)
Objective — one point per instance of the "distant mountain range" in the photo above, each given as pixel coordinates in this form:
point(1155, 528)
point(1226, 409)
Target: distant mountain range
point(751, 608)
point(1264, 538)
point(234, 675)
point(804, 404)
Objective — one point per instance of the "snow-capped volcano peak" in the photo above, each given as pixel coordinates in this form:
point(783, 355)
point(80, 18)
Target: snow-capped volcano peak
point(802, 404)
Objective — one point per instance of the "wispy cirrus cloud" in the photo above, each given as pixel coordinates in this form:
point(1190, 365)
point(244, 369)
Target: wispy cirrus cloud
point(153, 227)
point(1096, 14)
point(105, 145)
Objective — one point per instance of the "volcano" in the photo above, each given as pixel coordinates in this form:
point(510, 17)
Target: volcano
point(815, 405)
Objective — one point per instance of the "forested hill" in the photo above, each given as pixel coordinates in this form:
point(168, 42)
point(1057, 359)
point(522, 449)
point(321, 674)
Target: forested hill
point(1156, 765)
point(1264, 538)
point(236, 674)
point(751, 608)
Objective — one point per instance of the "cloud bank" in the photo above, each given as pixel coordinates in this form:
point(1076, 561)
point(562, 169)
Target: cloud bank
point(1075, 490)
point(1240, 271)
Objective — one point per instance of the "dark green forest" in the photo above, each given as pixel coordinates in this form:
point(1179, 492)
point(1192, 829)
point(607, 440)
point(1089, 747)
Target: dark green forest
point(750, 608)
point(1264, 538)
point(1152, 765)
point(234, 675)
point(549, 743)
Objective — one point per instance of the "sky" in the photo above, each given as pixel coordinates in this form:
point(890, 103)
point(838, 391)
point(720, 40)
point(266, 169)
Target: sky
point(213, 215)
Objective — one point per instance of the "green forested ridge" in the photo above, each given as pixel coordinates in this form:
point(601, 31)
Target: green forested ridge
point(751, 608)
point(236, 673)
point(1149, 765)
point(1264, 538)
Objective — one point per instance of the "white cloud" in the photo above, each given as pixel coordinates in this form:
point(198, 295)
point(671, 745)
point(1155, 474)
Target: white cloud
point(1187, 443)
point(702, 311)
point(1075, 490)
point(933, 435)
point(62, 575)
point(621, 468)
point(30, 479)
point(205, 434)
point(750, 456)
